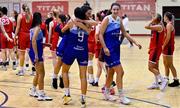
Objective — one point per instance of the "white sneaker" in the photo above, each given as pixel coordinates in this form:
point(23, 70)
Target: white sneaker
point(43, 97)
point(33, 73)
point(4, 68)
point(20, 73)
point(27, 69)
point(33, 92)
point(14, 67)
point(124, 100)
point(108, 97)
point(163, 85)
point(153, 86)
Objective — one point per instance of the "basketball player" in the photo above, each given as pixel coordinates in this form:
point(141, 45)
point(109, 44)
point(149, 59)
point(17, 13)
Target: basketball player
point(5, 44)
point(109, 38)
point(155, 49)
point(53, 36)
point(168, 49)
point(59, 52)
point(24, 22)
point(2, 32)
point(76, 48)
point(36, 56)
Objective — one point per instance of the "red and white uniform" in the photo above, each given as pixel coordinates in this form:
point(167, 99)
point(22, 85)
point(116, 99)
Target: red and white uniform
point(24, 33)
point(91, 41)
point(98, 46)
point(155, 47)
point(169, 48)
point(8, 26)
point(54, 37)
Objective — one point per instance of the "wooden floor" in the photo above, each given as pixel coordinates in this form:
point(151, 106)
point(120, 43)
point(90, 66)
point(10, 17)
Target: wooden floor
point(14, 89)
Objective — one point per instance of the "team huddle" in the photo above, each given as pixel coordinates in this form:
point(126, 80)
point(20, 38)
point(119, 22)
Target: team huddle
point(81, 37)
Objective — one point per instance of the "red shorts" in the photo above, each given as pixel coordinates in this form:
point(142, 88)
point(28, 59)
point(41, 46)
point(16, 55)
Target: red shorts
point(5, 43)
point(54, 42)
point(169, 50)
point(154, 55)
point(98, 50)
point(24, 41)
point(91, 47)
point(0, 41)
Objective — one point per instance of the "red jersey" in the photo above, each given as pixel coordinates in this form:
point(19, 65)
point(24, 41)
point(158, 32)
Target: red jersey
point(7, 23)
point(25, 26)
point(53, 28)
point(171, 41)
point(156, 40)
point(91, 37)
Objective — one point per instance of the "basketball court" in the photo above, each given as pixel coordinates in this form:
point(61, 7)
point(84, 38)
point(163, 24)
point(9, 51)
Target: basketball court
point(14, 90)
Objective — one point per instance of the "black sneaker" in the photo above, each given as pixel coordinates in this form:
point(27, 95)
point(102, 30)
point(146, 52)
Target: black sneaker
point(174, 84)
point(91, 83)
point(95, 84)
point(54, 83)
point(7, 63)
point(61, 84)
point(113, 84)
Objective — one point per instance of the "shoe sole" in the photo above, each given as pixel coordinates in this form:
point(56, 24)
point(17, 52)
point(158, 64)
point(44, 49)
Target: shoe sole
point(33, 96)
point(45, 99)
point(67, 102)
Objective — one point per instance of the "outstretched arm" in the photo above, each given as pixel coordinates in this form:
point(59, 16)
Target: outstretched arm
point(129, 37)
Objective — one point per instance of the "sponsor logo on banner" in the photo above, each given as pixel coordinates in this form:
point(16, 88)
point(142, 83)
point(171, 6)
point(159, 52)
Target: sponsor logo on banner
point(44, 7)
point(138, 9)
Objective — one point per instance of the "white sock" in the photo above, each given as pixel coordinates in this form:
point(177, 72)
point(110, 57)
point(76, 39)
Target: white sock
point(67, 91)
point(96, 80)
point(120, 91)
point(160, 77)
point(175, 78)
point(21, 68)
point(107, 90)
point(91, 78)
point(40, 92)
point(156, 80)
point(83, 96)
point(34, 87)
point(167, 77)
point(55, 75)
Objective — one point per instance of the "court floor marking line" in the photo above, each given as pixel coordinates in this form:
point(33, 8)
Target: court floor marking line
point(5, 99)
point(140, 100)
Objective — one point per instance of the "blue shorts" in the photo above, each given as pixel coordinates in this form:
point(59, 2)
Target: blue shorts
point(61, 47)
point(70, 54)
point(40, 53)
point(114, 58)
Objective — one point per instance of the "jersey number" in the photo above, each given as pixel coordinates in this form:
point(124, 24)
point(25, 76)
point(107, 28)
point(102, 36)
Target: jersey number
point(5, 21)
point(80, 36)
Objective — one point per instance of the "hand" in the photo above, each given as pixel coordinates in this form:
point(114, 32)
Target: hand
point(9, 39)
point(47, 44)
point(106, 51)
point(139, 46)
point(163, 47)
point(149, 51)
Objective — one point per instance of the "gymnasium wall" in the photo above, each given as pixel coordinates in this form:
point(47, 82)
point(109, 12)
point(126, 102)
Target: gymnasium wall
point(135, 26)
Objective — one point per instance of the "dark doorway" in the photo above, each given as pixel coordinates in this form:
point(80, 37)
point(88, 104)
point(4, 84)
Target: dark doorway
point(176, 11)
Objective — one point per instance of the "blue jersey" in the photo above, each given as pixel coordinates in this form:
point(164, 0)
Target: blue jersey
point(112, 32)
point(112, 41)
point(76, 47)
point(39, 43)
point(78, 39)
